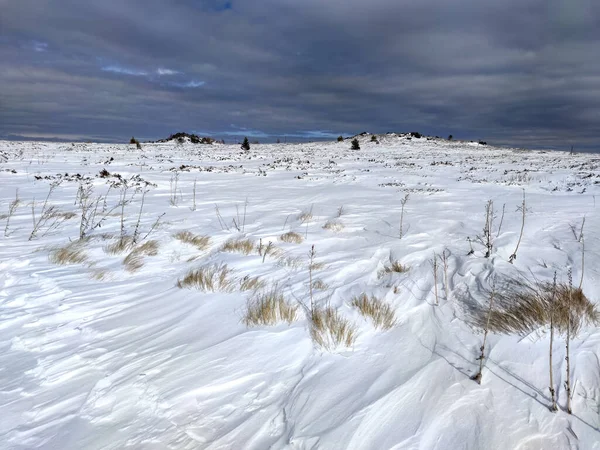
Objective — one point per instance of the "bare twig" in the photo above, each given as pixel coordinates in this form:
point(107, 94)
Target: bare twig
point(403, 204)
point(434, 264)
point(481, 358)
point(568, 339)
point(523, 209)
point(553, 407)
point(501, 220)
point(12, 207)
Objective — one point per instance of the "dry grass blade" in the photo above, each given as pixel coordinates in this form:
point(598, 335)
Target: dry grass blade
point(379, 312)
point(330, 330)
point(210, 278)
point(187, 237)
point(245, 246)
point(291, 237)
point(269, 308)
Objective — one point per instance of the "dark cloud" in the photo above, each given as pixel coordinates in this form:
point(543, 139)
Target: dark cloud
point(520, 72)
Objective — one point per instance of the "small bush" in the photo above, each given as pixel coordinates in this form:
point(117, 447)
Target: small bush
point(133, 140)
point(450, 137)
point(374, 138)
point(291, 238)
point(355, 144)
point(245, 246)
point(104, 173)
point(416, 134)
point(330, 330)
point(380, 313)
point(340, 139)
point(269, 308)
point(210, 278)
point(200, 242)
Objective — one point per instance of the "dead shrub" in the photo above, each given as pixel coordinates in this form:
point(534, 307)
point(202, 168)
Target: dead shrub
point(329, 330)
point(209, 278)
point(291, 237)
point(269, 308)
point(245, 246)
point(381, 313)
point(187, 237)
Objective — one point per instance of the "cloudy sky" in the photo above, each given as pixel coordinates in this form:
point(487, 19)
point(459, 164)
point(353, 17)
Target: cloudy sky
point(520, 72)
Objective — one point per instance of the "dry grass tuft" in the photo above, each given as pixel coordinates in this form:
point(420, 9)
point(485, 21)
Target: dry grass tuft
point(333, 225)
point(305, 216)
point(67, 215)
point(521, 308)
point(200, 242)
point(209, 278)
point(316, 266)
point(134, 261)
point(245, 246)
point(393, 267)
point(73, 253)
point(99, 274)
point(291, 237)
point(319, 285)
point(293, 262)
point(379, 312)
point(330, 330)
point(269, 308)
point(119, 247)
point(251, 284)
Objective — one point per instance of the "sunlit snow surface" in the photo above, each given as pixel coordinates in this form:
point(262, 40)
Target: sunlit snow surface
point(93, 356)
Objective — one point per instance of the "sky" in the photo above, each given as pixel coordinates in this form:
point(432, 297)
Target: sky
point(524, 73)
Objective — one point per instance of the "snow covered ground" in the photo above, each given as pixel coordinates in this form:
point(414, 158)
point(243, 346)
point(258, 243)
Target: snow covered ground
point(98, 354)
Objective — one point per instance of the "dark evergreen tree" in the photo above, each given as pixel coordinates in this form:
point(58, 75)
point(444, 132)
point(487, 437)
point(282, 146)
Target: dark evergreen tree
point(246, 144)
point(355, 144)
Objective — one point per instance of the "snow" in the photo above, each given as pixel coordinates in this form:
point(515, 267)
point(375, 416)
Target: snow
point(93, 356)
